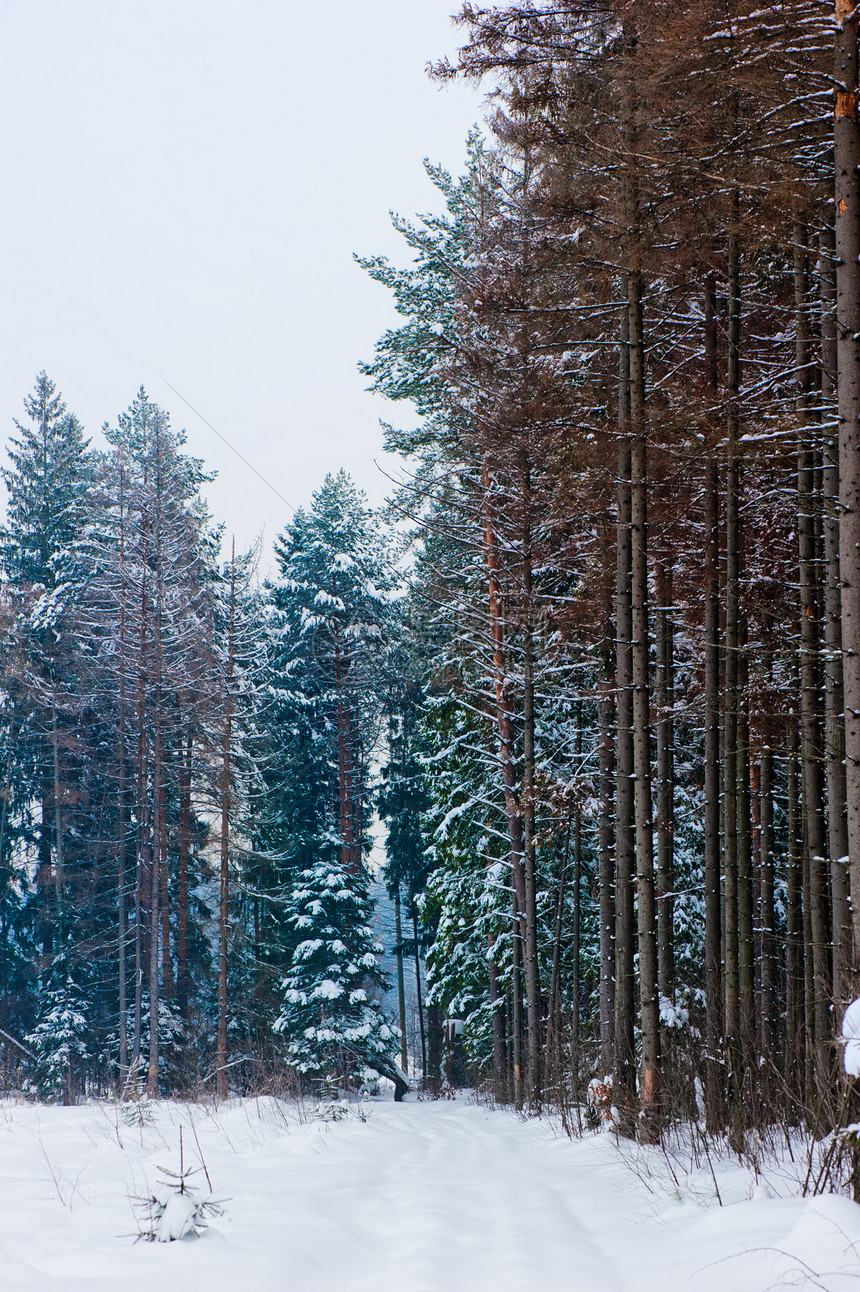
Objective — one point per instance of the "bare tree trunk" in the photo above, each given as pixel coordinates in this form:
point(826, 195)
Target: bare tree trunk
point(649, 1004)
point(152, 1084)
point(59, 861)
point(624, 1080)
point(517, 1006)
point(746, 939)
point(142, 862)
point(182, 984)
point(606, 848)
point(665, 697)
point(809, 1064)
point(497, 1005)
point(434, 1048)
point(767, 922)
point(575, 978)
point(527, 803)
point(121, 928)
point(812, 780)
point(731, 692)
point(834, 701)
point(421, 1028)
point(166, 961)
point(401, 986)
point(122, 841)
point(713, 935)
point(554, 1021)
point(226, 807)
point(846, 138)
point(159, 807)
point(122, 822)
point(795, 1021)
point(344, 806)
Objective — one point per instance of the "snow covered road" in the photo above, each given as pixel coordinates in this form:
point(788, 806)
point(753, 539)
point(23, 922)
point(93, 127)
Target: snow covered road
point(420, 1197)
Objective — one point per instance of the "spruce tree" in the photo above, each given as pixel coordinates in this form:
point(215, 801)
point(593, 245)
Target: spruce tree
point(59, 1041)
point(48, 484)
point(332, 1018)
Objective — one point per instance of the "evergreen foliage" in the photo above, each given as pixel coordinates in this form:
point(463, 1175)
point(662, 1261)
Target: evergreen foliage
point(60, 1040)
point(332, 1019)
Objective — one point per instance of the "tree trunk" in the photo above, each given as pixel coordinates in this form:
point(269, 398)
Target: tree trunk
point(517, 1006)
point(846, 139)
point(649, 1003)
point(767, 925)
point(665, 698)
point(434, 1048)
point(795, 1021)
point(182, 983)
point(811, 763)
point(746, 938)
point(504, 727)
point(401, 986)
point(122, 816)
point(554, 1019)
point(419, 994)
point(713, 934)
point(606, 846)
point(834, 702)
point(731, 691)
point(221, 1055)
point(624, 1081)
point(166, 961)
point(527, 803)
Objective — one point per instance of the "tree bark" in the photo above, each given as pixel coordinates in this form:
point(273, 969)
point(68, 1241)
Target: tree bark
point(834, 700)
point(846, 140)
point(527, 801)
point(182, 982)
point(731, 690)
point(811, 761)
point(767, 924)
point(221, 1055)
point(665, 698)
point(624, 1079)
point(649, 1003)
point(606, 846)
point(401, 986)
point(795, 1014)
point(713, 926)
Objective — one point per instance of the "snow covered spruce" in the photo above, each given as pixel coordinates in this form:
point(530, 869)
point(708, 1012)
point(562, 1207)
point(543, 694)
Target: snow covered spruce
point(332, 1017)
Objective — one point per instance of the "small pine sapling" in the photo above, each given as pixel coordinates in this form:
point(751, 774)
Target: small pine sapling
point(175, 1209)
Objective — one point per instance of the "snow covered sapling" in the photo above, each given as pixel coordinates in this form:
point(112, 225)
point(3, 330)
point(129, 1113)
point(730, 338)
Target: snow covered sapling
point(59, 1039)
point(330, 1018)
point(176, 1209)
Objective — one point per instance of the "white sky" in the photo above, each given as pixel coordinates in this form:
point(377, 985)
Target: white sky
point(185, 182)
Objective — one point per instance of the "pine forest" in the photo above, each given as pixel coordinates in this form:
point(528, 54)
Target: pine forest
point(578, 708)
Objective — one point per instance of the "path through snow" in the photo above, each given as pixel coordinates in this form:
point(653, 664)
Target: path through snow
point(422, 1197)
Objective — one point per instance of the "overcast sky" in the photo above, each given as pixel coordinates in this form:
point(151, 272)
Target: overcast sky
point(185, 183)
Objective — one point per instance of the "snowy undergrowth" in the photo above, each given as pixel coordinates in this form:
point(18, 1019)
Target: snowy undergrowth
point(420, 1196)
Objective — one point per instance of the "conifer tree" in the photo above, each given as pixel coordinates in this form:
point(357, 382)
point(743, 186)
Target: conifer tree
point(331, 1017)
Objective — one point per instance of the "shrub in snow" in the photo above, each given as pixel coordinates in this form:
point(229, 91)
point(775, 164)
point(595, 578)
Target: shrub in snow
point(175, 1209)
point(599, 1112)
point(332, 1022)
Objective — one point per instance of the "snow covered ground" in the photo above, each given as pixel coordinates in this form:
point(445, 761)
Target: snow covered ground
point(419, 1197)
